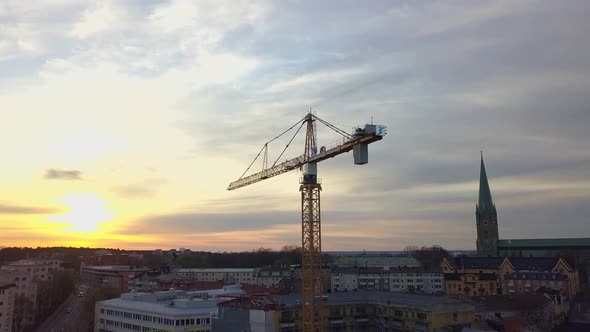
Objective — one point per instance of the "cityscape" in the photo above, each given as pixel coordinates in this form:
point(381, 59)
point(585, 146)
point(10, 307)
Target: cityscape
point(258, 166)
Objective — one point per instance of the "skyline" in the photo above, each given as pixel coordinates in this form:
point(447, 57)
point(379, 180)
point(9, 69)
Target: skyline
point(124, 122)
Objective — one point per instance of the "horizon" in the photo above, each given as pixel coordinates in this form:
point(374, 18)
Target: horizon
point(124, 122)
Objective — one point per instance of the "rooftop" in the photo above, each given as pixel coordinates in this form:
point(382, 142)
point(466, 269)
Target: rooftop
point(510, 302)
point(412, 301)
point(543, 243)
point(218, 270)
point(175, 303)
point(375, 261)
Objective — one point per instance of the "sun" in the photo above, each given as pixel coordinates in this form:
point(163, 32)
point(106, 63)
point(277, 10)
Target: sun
point(85, 212)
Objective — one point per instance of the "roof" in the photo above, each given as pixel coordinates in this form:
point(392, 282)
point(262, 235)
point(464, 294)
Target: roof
point(412, 301)
point(533, 263)
point(537, 276)
point(476, 262)
point(510, 302)
point(485, 204)
point(403, 269)
point(202, 307)
point(218, 270)
point(543, 243)
point(376, 261)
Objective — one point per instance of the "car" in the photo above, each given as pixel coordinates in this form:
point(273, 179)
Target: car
point(81, 294)
point(68, 310)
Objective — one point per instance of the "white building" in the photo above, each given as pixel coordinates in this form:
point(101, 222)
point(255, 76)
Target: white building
point(415, 279)
point(345, 279)
point(271, 276)
point(7, 294)
point(227, 275)
point(393, 279)
point(161, 311)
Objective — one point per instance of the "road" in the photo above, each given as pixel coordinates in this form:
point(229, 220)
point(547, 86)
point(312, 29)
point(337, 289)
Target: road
point(61, 320)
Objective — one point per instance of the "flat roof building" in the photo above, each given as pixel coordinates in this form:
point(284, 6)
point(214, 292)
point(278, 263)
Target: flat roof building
point(161, 311)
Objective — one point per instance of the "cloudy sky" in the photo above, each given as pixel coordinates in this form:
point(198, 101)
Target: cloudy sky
point(123, 122)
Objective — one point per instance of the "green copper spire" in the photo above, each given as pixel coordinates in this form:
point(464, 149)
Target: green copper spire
point(485, 203)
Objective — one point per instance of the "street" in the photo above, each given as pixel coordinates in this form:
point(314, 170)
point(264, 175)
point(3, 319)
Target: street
point(61, 320)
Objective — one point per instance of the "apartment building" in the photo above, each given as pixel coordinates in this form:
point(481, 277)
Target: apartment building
point(227, 275)
point(38, 269)
point(7, 296)
point(394, 279)
point(271, 276)
point(115, 276)
point(25, 297)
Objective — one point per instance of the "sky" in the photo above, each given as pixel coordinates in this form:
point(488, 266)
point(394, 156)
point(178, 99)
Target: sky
point(123, 122)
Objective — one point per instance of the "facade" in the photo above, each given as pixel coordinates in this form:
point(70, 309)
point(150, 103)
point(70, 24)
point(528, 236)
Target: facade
point(228, 275)
point(38, 269)
point(25, 297)
point(486, 218)
point(7, 296)
point(419, 280)
point(271, 276)
point(415, 280)
point(474, 276)
point(352, 311)
point(114, 276)
point(576, 250)
point(162, 311)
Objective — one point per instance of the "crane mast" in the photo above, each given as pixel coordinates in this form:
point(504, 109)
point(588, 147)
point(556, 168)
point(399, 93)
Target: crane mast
point(312, 318)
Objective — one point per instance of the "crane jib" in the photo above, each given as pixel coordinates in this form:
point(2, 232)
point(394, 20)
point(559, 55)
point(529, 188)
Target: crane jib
point(294, 163)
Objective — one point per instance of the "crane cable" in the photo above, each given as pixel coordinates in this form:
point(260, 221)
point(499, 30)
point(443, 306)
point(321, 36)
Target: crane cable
point(266, 145)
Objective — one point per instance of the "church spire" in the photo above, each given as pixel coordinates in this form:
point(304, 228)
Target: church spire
point(485, 203)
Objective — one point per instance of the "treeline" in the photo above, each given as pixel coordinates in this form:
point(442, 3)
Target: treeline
point(67, 254)
point(289, 255)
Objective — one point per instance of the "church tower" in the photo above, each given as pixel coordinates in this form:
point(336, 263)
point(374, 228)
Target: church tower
point(486, 218)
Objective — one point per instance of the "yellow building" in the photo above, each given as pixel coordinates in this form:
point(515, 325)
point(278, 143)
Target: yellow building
point(472, 276)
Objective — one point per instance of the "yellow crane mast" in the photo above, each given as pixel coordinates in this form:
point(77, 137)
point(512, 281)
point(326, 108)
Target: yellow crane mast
point(310, 187)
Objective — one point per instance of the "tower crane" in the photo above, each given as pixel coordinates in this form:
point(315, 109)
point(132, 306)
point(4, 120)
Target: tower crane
point(310, 187)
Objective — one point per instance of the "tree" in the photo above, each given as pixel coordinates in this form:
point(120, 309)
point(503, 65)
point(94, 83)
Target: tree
point(431, 257)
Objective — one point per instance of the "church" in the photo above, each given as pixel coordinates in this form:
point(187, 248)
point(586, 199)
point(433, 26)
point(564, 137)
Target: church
point(488, 243)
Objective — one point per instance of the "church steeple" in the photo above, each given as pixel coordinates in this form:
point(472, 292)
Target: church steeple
point(484, 203)
point(486, 217)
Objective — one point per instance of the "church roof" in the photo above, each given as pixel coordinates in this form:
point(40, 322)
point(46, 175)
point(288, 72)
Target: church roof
point(543, 243)
point(485, 202)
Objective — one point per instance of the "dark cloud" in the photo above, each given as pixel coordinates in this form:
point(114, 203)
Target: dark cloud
point(20, 209)
point(60, 174)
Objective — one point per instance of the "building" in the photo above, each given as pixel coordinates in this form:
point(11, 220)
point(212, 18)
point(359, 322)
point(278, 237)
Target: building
point(418, 280)
point(7, 297)
point(26, 297)
point(271, 276)
point(162, 311)
point(38, 269)
point(576, 250)
point(400, 279)
point(486, 218)
point(376, 261)
point(533, 310)
point(114, 276)
point(349, 311)
point(227, 275)
point(472, 276)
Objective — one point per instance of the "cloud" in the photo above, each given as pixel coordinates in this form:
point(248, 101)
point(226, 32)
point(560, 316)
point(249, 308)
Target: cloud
point(20, 209)
point(59, 174)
